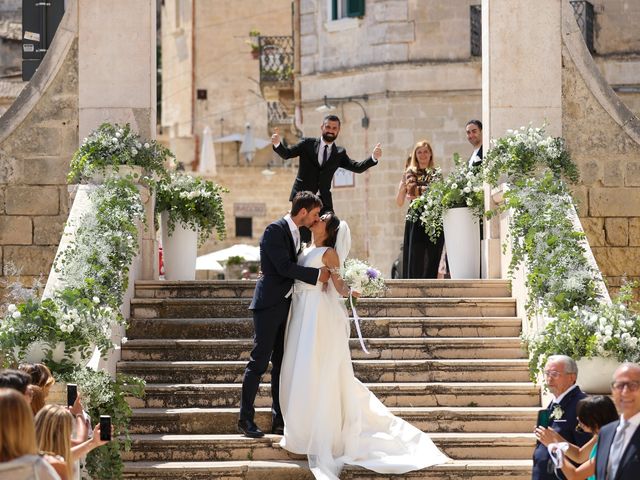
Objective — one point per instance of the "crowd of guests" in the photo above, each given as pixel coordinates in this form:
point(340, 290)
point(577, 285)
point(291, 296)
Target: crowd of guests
point(39, 440)
point(421, 257)
point(589, 437)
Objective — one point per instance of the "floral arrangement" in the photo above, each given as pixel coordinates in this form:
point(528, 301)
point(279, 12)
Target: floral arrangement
point(193, 202)
point(114, 145)
point(363, 278)
point(461, 188)
point(524, 152)
point(559, 278)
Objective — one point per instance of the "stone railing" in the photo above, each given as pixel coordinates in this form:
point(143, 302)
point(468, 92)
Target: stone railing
point(518, 280)
point(143, 267)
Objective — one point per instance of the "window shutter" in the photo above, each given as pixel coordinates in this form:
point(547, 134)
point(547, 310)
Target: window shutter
point(334, 9)
point(355, 8)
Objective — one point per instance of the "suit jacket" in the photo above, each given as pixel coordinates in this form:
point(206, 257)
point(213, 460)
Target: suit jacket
point(566, 427)
point(629, 468)
point(478, 160)
point(315, 178)
point(278, 262)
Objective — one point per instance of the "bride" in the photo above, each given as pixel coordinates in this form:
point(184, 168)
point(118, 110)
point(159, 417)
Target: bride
point(329, 415)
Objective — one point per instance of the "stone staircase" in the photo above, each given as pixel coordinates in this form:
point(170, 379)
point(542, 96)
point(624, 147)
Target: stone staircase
point(444, 355)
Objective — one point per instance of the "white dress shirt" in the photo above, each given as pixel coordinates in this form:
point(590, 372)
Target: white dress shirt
point(321, 150)
point(631, 429)
point(559, 398)
point(295, 232)
point(473, 156)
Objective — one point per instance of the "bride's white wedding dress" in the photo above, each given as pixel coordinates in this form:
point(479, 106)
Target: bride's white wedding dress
point(329, 415)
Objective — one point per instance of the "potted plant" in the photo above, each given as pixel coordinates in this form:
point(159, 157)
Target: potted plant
point(190, 209)
point(254, 43)
point(233, 267)
point(114, 149)
point(454, 204)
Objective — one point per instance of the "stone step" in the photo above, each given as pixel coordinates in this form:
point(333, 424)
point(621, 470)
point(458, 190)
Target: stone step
point(431, 419)
point(485, 394)
point(397, 288)
point(371, 327)
point(298, 470)
point(367, 307)
point(379, 348)
point(376, 371)
point(177, 448)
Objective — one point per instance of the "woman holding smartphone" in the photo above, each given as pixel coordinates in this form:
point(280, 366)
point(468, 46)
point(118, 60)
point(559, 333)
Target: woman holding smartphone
point(593, 413)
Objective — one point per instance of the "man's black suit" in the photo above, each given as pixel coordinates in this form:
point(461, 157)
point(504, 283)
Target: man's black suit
point(566, 427)
point(315, 177)
point(629, 468)
point(270, 311)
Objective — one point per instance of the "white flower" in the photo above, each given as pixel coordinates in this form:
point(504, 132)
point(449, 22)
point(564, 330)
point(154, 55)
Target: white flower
point(12, 308)
point(134, 151)
point(118, 134)
point(16, 314)
point(146, 145)
point(95, 300)
point(466, 190)
point(114, 140)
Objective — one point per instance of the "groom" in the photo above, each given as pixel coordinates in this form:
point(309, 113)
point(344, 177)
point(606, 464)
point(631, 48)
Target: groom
point(279, 249)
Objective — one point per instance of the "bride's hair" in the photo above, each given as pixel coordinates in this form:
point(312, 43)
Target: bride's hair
point(332, 222)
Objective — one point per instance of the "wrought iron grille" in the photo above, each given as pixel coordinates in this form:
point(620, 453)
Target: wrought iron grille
point(277, 114)
point(276, 59)
point(583, 10)
point(475, 14)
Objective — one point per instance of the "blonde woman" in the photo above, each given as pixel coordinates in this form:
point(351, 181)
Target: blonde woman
point(420, 256)
point(41, 382)
point(19, 459)
point(54, 426)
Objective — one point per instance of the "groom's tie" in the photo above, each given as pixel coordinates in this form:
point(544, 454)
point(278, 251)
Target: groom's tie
point(296, 239)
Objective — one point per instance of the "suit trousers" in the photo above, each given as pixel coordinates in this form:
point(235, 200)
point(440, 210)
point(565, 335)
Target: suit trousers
point(268, 344)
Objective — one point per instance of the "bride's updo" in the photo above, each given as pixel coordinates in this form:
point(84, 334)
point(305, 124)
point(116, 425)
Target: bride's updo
point(332, 222)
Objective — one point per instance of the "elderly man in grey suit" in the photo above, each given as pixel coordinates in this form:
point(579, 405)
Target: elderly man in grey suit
point(618, 456)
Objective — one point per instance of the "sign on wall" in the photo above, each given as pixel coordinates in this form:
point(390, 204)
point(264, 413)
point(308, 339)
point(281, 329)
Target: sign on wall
point(344, 178)
point(250, 209)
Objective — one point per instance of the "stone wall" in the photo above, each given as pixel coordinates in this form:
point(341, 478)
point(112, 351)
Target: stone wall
point(604, 140)
point(35, 151)
point(616, 26)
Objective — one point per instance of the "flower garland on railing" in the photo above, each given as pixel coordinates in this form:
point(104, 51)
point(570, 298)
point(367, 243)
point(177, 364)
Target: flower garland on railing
point(559, 278)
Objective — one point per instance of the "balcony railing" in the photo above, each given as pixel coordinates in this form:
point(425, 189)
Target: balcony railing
point(277, 114)
point(276, 59)
point(583, 11)
point(475, 15)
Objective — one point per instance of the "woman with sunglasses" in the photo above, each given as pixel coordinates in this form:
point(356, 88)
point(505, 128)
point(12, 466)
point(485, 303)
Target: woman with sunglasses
point(593, 413)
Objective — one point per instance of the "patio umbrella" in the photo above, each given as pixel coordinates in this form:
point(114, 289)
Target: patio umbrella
point(248, 146)
point(205, 262)
point(250, 253)
point(207, 154)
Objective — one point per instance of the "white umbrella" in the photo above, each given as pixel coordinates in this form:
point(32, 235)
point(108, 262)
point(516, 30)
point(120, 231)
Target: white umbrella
point(248, 147)
point(207, 154)
point(250, 253)
point(205, 262)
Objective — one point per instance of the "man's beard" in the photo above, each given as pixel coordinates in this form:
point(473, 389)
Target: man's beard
point(329, 137)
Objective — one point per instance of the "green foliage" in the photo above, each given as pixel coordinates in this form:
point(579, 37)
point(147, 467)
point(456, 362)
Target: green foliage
point(115, 145)
point(235, 260)
point(461, 188)
point(193, 202)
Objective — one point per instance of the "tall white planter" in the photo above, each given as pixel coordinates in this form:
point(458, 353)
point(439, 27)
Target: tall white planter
point(595, 374)
point(179, 251)
point(462, 239)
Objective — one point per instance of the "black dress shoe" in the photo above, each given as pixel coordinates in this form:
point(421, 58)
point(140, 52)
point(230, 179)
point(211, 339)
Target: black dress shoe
point(249, 429)
point(277, 425)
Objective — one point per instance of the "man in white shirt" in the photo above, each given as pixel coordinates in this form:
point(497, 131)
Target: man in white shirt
point(474, 136)
point(618, 456)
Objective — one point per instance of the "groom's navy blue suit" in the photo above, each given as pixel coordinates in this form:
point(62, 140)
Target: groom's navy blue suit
point(270, 305)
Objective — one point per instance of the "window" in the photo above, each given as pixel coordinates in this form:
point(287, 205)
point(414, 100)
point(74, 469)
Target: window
point(346, 9)
point(244, 227)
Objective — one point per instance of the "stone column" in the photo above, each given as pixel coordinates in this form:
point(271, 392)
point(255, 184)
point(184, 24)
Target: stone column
point(521, 81)
point(117, 80)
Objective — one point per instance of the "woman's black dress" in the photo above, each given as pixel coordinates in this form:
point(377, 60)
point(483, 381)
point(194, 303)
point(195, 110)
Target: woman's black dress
point(420, 256)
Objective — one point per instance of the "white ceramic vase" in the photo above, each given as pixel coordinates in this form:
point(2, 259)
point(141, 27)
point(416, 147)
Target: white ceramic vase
point(37, 351)
point(462, 239)
point(179, 251)
point(595, 374)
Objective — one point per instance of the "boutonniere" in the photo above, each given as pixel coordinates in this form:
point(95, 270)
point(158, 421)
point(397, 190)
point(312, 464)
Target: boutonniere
point(557, 413)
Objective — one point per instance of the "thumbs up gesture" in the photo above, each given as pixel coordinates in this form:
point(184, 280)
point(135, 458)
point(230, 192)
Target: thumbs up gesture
point(377, 152)
point(275, 138)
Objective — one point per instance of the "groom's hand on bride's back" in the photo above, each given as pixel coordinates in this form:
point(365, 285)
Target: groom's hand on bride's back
point(324, 275)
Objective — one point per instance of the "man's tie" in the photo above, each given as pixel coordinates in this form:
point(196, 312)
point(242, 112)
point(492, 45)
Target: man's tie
point(616, 451)
point(324, 155)
point(296, 239)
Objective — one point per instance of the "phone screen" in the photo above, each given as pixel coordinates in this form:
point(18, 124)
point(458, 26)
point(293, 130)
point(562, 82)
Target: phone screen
point(543, 418)
point(72, 394)
point(105, 427)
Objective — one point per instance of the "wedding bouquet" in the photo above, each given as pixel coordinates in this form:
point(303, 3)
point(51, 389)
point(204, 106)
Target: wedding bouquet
point(363, 278)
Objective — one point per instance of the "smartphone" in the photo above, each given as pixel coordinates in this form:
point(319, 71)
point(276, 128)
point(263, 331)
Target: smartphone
point(72, 394)
point(543, 418)
point(105, 427)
